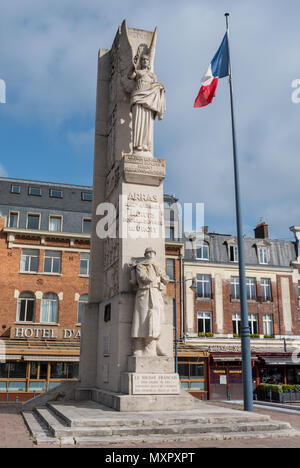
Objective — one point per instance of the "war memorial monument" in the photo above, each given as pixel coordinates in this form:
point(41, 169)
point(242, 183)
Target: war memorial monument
point(127, 388)
point(127, 343)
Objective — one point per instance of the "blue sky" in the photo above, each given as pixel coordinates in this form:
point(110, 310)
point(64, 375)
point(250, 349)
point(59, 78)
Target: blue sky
point(48, 59)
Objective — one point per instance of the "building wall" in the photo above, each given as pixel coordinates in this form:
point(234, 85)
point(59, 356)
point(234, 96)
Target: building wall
point(68, 285)
point(284, 306)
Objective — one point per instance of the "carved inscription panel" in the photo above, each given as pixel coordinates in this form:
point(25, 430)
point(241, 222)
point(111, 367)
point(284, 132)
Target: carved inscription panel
point(155, 384)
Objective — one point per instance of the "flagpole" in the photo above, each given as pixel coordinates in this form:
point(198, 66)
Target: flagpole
point(245, 331)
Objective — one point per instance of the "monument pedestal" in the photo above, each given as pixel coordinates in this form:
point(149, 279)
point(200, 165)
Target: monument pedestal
point(138, 403)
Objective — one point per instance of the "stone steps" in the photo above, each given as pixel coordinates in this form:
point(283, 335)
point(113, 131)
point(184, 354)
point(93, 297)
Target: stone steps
point(53, 424)
point(146, 419)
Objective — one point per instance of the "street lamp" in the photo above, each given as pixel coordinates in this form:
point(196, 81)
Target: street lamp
point(193, 287)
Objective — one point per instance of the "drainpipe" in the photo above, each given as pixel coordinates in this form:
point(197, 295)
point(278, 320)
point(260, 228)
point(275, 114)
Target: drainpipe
point(182, 315)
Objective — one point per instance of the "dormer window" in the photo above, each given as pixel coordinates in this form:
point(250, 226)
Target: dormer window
point(263, 255)
point(36, 191)
point(233, 253)
point(202, 251)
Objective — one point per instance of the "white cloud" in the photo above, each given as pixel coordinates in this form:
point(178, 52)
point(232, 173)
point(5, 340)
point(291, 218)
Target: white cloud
point(3, 172)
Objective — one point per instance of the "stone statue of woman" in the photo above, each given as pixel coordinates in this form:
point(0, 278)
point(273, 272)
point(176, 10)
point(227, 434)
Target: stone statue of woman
point(147, 102)
point(147, 96)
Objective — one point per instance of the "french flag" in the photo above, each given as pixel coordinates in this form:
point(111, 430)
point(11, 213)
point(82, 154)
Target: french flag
point(218, 68)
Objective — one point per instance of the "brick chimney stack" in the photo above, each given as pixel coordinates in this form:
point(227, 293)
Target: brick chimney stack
point(261, 231)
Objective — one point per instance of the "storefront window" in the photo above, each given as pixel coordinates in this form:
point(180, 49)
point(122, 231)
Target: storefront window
point(58, 370)
point(43, 370)
point(197, 386)
point(17, 370)
point(37, 386)
point(53, 385)
point(272, 375)
point(185, 385)
point(196, 371)
point(183, 371)
point(73, 370)
point(34, 370)
point(293, 375)
point(192, 375)
point(4, 371)
point(17, 386)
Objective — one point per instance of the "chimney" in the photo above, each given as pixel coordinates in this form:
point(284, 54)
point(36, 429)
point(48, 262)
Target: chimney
point(205, 229)
point(261, 231)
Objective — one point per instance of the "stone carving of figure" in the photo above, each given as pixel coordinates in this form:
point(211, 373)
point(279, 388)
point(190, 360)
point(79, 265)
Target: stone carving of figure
point(147, 102)
point(148, 314)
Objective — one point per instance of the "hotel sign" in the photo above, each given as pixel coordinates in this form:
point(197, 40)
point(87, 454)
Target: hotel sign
point(45, 333)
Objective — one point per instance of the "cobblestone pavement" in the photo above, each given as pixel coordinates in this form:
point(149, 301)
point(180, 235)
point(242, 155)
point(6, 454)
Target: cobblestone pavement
point(14, 434)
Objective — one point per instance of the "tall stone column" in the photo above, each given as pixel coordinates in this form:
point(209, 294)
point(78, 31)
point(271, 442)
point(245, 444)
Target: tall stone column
point(127, 331)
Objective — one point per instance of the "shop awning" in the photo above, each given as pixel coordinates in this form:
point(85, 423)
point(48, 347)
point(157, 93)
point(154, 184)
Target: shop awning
point(231, 358)
point(278, 361)
point(52, 358)
point(227, 358)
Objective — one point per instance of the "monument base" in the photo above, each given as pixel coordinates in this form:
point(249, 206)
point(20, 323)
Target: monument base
point(138, 403)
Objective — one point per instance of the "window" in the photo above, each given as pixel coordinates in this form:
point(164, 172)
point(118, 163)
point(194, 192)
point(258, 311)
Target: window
point(82, 300)
point(272, 375)
point(299, 289)
point(43, 370)
point(253, 324)
point(263, 255)
point(58, 370)
point(266, 290)
point(268, 324)
point(4, 370)
point(235, 287)
point(17, 370)
point(86, 196)
point(169, 233)
point(233, 253)
point(49, 308)
point(26, 306)
point(174, 313)
point(36, 191)
point(29, 260)
point(33, 221)
point(73, 370)
point(15, 189)
point(204, 322)
point(192, 375)
point(236, 324)
point(86, 226)
point(251, 289)
point(55, 223)
point(204, 286)
point(84, 263)
point(202, 251)
point(55, 193)
point(13, 220)
point(52, 262)
point(171, 268)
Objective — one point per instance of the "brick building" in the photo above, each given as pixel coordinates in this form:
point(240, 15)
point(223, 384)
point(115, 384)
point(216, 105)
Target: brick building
point(44, 265)
point(212, 318)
